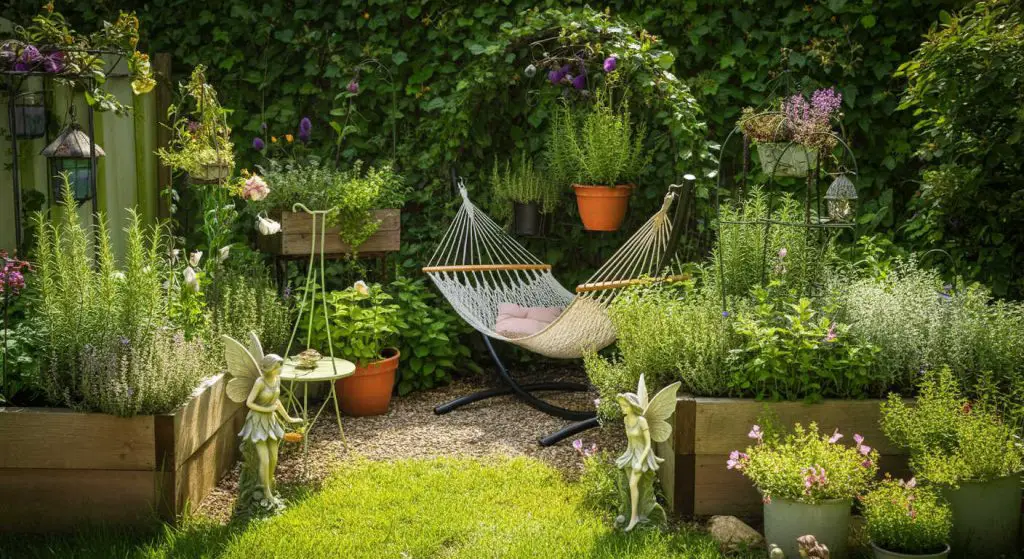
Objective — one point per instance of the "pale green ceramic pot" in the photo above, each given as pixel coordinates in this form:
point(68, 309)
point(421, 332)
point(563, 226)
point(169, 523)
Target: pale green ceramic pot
point(886, 554)
point(827, 521)
point(783, 159)
point(986, 517)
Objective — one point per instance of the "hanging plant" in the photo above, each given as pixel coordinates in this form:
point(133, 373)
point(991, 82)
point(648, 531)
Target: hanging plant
point(201, 145)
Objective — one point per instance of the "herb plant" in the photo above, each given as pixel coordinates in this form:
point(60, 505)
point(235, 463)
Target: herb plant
point(906, 518)
point(807, 122)
point(950, 439)
point(521, 183)
point(364, 322)
point(201, 136)
point(806, 466)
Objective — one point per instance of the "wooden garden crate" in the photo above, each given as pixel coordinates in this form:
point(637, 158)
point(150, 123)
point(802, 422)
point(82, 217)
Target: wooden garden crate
point(706, 430)
point(61, 470)
point(295, 239)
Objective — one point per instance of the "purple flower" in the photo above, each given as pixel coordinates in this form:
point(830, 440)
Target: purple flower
point(578, 444)
point(857, 438)
point(836, 435)
point(20, 67)
point(54, 63)
point(193, 126)
point(756, 433)
point(580, 81)
point(353, 86)
point(866, 464)
point(864, 449)
point(831, 335)
point(305, 125)
point(304, 136)
point(257, 144)
point(554, 76)
point(124, 341)
point(783, 252)
point(736, 460)
point(725, 314)
point(611, 63)
point(30, 54)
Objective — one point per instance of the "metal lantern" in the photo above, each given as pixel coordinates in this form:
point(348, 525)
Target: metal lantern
point(841, 198)
point(29, 117)
point(70, 153)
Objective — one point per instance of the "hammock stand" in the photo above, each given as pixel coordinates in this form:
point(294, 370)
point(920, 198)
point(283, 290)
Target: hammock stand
point(478, 265)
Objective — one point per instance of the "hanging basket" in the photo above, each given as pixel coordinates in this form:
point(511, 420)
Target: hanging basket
point(786, 159)
point(211, 173)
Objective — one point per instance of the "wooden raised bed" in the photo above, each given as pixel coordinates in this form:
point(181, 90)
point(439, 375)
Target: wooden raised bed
point(61, 470)
point(295, 238)
point(705, 430)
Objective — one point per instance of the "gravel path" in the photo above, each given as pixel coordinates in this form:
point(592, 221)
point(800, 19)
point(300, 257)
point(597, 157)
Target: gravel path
point(500, 426)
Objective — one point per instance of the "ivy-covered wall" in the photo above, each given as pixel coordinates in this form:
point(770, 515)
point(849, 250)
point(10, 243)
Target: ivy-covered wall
point(279, 60)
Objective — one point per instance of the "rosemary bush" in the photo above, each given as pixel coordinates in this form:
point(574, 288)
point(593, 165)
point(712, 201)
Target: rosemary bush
point(110, 345)
point(243, 301)
point(905, 518)
point(522, 183)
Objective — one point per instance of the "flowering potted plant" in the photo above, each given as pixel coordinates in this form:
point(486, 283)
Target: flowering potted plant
point(599, 154)
point(521, 194)
point(789, 140)
point(201, 144)
point(808, 481)
point(905, 520)
point(971, 453)
point(364, 329)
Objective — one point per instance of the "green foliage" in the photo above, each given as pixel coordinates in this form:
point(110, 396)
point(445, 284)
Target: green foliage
point(904, 518)
point(521, 183)
point(350, 195)
point(950, 439)
point(600, 482)
point(428, 337)
point(962, 86)
point(19, 351)
point(788, 350)
point(109, 345)
point(201, 135)
point(363, 322)
point(603, 148)
point(806, 466)
point(243, 300)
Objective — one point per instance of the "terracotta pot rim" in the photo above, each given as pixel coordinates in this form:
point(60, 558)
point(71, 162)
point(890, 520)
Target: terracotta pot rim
point(380, 366)
point(617, 187)
point(947, 549)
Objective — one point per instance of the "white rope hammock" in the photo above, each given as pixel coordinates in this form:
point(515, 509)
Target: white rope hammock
point(478, 266)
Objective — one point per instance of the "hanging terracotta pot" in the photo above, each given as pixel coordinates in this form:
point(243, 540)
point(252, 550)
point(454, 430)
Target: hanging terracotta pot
point(602, 208)
point(527, 218)
point(368, 390)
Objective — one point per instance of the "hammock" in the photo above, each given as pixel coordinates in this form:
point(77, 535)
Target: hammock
point(478, 266)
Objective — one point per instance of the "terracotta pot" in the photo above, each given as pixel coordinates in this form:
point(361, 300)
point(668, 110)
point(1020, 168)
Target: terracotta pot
point(368, 390)
point(602, 208)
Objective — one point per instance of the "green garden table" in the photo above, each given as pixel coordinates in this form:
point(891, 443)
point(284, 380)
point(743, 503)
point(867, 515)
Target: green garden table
point(327, 370)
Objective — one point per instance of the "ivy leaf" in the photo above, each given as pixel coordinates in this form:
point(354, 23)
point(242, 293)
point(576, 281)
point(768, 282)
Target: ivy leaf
point(868, 21)
point(399, 57)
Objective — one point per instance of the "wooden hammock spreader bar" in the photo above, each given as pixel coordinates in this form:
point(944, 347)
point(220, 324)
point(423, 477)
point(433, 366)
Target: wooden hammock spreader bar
point(605, 285)
point(486, 268)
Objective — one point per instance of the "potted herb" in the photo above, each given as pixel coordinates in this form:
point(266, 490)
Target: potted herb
point(201, 144)
point(807, 481)
point(598, 154)
point(364, 330)
point(790, 139)
point(968, 451)
point(521, 194)
point(905, 520)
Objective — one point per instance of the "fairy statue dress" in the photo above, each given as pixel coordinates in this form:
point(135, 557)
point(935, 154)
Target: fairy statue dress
point(256, 381)
point(646, 422)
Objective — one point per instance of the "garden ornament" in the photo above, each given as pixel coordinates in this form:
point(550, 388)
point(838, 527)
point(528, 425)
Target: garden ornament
point(307, 359)
point(255, 380)
point(811, 549)
point(646, 422)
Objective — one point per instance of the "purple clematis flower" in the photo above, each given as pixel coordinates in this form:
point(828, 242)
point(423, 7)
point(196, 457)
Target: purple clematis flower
point(257, 144)
point(54, 63)
point(580, 81)
point(611, 63)
point(30, 54)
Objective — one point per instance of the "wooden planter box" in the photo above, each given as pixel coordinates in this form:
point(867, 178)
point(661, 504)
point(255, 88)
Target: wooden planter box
point(61, 470)
point(295, 238)
point(705, 430)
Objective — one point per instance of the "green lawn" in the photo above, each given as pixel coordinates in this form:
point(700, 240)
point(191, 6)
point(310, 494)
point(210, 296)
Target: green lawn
point(410, 509)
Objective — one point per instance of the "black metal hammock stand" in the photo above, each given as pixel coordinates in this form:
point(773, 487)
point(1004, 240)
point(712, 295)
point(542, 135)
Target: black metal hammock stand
point(478, 266)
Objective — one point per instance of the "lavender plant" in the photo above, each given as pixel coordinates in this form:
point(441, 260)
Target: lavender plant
point(797, 119)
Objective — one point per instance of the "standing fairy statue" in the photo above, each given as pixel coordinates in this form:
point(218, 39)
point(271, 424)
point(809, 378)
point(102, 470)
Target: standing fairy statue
point(646, 423)
point(256, 381)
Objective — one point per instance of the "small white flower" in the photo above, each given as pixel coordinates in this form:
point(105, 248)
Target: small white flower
point(175, 253)
point(194, 258)
point(360, 287)
point(191, 279)
point(118, 275)
point(267, 226)
point(222, 255)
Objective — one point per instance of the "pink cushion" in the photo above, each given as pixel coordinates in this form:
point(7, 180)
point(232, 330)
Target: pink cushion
point(517, 322)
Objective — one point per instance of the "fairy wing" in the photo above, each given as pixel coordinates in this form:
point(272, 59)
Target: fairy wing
point(660, 410)
point(641, 391)
point(255, 347)
point(242, 368)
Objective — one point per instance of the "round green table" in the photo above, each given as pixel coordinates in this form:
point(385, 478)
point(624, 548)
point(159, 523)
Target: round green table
point(327, 370)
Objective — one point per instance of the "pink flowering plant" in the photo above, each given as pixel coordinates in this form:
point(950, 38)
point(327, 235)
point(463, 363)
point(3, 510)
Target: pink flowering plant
point(798, 119)
point(904, 517)
point(805, 465)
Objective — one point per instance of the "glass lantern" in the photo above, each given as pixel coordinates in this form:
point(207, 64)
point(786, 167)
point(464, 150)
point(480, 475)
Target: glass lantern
point(841, 198)
point(69, 153)
point(29, 117)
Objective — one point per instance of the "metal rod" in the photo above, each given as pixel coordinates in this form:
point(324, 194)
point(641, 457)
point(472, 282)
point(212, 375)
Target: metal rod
point(15, 172)
point(92, 161)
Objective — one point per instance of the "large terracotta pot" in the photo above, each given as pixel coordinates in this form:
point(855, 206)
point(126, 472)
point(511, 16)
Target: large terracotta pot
point(368, 390)
point(602, 208)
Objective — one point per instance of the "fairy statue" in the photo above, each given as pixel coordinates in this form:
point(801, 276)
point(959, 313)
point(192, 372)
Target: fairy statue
point(256, 381)
point(646, 423)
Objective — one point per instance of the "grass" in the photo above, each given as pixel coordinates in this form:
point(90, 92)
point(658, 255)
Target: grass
point(450, 508)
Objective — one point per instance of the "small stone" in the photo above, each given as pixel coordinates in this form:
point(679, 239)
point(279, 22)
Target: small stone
point(731, 533)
